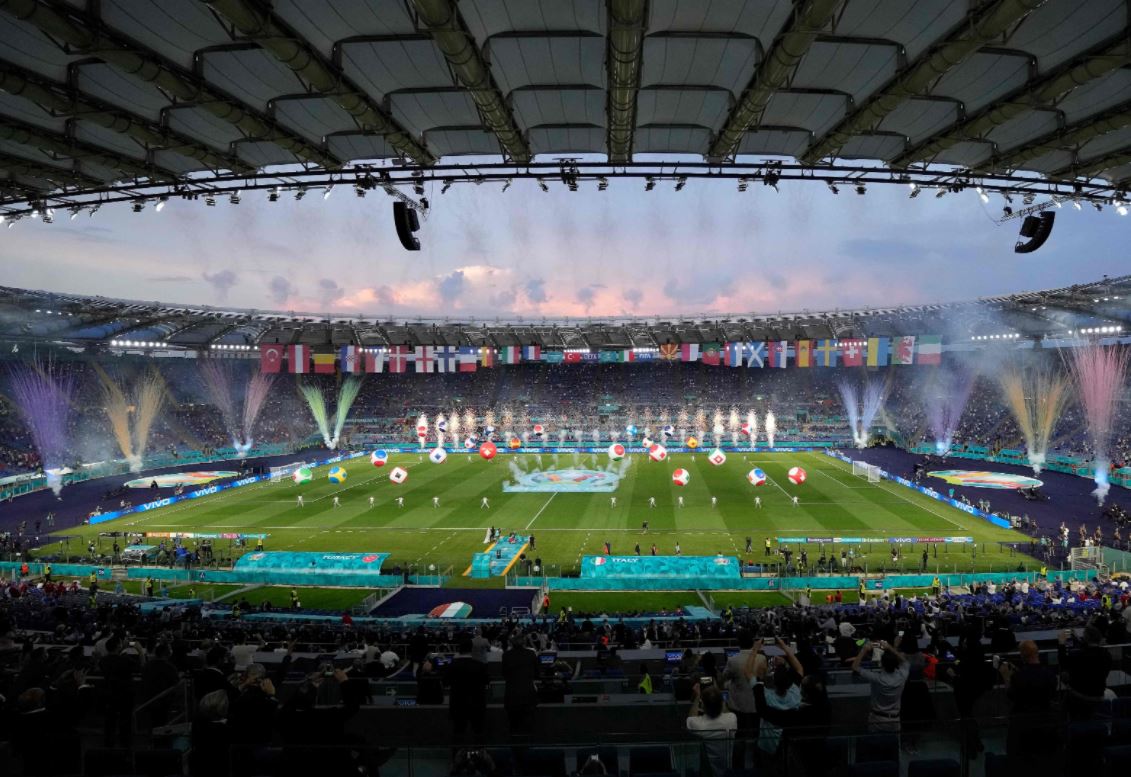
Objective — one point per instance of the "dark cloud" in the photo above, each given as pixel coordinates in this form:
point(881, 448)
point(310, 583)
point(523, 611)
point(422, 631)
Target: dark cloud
point(329, 291)
point(451, 286)
point(633, 297)
point(535, 290)
point(696, 288)
point(587, 295)
point(279, 289)
point(170, 278)
point(221, 282)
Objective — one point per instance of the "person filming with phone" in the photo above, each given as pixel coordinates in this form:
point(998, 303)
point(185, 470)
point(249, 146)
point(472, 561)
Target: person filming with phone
point(887, 684)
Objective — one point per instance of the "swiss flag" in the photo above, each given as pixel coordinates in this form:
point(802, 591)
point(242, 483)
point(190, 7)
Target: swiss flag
point(270, 358)
point(852, 353)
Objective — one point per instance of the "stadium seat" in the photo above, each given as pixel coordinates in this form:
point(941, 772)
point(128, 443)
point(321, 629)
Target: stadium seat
point(543, 762)
point(874, 769)
point(1085, 746)
point(649, 759)
point(877, 747)
point(1117, 760)
point(934, 767)
point(607, 754)
point(105, 762)
point(158, 763)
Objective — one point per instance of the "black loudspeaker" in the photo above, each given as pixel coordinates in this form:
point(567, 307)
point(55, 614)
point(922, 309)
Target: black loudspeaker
point(1037, 230)
point(406, 221)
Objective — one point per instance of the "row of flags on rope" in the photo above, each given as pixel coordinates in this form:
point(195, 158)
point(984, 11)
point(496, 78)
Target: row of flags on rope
point(864, 352)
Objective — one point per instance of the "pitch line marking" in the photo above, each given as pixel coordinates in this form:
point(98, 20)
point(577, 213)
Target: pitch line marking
point(895, 492)
point(535, 518)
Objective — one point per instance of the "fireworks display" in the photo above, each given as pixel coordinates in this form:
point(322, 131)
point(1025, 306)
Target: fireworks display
point(771, 427)
point(346, 396)
point(255, 395)
point(132, 411)
point(42, 394)
point(317, 404)
point(220, 383)
point(1035, 396)
point(946, 399)
point(862, 407)
point(1099, 373)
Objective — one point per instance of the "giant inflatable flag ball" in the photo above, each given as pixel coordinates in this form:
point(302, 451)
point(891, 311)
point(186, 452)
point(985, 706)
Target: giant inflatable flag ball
point(616, 451)
point(441, 426)
point(302, 475)
point(487, 450)
point(657, 452)
point(514, 443)
point(379, 458)
point(797, 476)
point(438, 456)
point(746, 429)
point(692, 442)
point(469, 443)
point(337, 475)
point(668, 430)
point(422, 431)
point(756, 477)
point(398, 475)
point(539, 429)
point(646, 443)
point(630, 430)
point(717, 457)
point(680, 477)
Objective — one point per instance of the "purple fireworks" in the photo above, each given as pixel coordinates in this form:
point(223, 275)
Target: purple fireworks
point(42, 394)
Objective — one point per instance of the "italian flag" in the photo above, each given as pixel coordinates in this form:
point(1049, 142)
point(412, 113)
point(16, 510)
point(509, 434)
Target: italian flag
point(510, 354)
point(626, 355)
point(451, 610)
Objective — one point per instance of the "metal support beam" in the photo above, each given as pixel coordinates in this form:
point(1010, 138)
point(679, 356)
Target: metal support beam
point(80, 33)
point(627, 22)
point(1044, 93)
point(14, 165)
point(1093, 167)
point(1068, 137)
point(60, 145)
point(810, 19)
point(61, 100)
point(980, 28)
point(259, 24)
point(467, 62)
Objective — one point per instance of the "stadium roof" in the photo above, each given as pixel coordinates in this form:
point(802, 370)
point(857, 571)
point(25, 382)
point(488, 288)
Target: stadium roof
point(123, 97)
point(98, 323)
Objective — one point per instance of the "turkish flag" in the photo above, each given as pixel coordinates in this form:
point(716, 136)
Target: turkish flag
point(270, 358)
point(573, 357)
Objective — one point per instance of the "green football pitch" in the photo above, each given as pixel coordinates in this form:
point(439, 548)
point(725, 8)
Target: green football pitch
point(832, 502)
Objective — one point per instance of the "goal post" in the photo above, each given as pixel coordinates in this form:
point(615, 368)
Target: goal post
point(869, 472)
point(278, 474)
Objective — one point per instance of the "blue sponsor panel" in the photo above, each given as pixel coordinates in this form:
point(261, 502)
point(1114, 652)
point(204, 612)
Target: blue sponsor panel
point(280, 560)
point(673, 568)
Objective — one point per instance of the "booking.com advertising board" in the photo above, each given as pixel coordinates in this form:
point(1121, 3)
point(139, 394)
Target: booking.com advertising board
point(206, 491)
point(994, 519)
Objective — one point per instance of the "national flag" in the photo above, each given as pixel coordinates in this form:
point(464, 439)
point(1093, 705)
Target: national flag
point(324, 363)
point(447, 359)
point(553, 357)
point(425, 358)
point(270, 358)
point(732, 354)
point(756, 354)
point(827, 353)
point(879, 350)
point(711, 354)
point(804, 353)
point(779, 353)
point(510, 354)
point(298, 358)
point(572, 357)
point(375, 361)
point(852, 353)
point(468, 359)
point(350, 359)
point(669, 352)
point(487, 357)
point(626, 355)
point(903, 350)
point(930, 349)
point(689, 352)
point(531, 353)
point(399, 357)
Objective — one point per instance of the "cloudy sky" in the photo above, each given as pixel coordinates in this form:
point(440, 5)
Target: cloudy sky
point(706, 249)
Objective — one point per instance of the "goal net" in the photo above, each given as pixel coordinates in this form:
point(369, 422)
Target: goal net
point(284, 472)
point(863, 469)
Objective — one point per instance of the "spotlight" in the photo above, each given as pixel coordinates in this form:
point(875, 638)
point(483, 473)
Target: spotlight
point(418, 186)
point(1097, 206)
point(542, 185)
point(743, 184)
point(914, 190)
point(139, 206)
point(680, 183)
point(507, 185)
point(273, 195)
point(1121, 210)
point(861, 189)
point(982, 194)
point(447, 185)
point(602, 183)
point(833, 188)
point(1076, 204)
point(359, 190)
point(300, 194)
point(160, 206)
point(74, 212)
point(329, 190)
point(650, 183)
point(210, 201)
point(234, 198)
